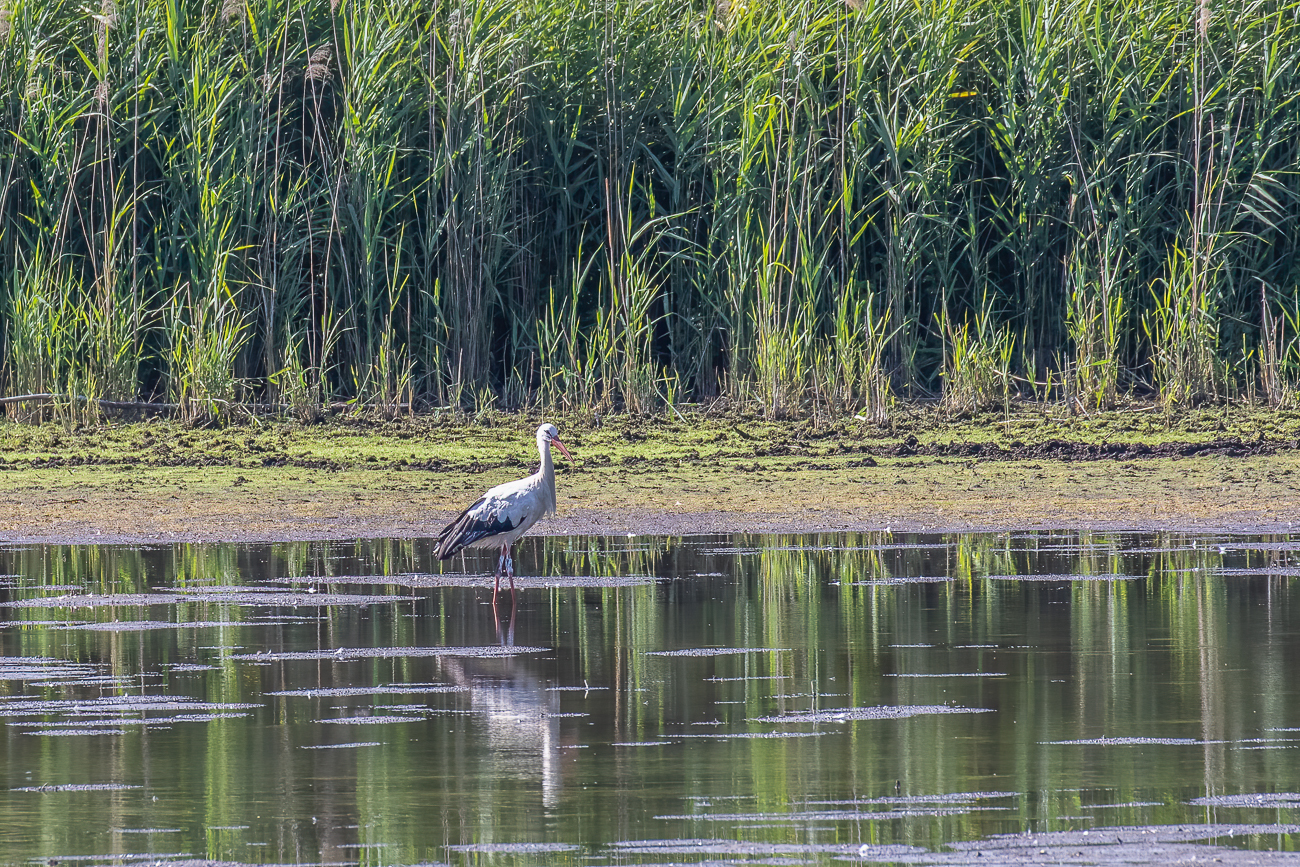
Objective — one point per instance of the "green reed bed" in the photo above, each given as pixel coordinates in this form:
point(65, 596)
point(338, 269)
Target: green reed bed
point(812, 206)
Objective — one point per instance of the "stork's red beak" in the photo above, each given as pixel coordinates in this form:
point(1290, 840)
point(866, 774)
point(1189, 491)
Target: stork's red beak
point(555, 441)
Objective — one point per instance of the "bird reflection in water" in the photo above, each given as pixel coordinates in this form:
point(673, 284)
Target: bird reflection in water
point(506, 630)
point(517, 710)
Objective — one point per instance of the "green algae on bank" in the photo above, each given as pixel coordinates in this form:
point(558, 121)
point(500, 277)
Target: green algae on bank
point(1038, 467)
point(443, 442)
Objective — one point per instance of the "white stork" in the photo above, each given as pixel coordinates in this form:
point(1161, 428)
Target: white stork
point(506, 512)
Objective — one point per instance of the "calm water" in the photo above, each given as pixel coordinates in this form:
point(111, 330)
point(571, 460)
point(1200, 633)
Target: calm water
point(713, 700)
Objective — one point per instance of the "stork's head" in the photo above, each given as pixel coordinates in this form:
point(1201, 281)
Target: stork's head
point(549, 434)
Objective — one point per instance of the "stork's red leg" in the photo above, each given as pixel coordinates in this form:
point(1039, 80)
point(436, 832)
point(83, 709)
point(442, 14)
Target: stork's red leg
point(510, 571)
point(501, 564)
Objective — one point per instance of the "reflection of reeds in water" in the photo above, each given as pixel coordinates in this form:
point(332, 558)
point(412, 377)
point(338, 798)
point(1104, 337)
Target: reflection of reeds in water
point(814, 207)
point(826, 621)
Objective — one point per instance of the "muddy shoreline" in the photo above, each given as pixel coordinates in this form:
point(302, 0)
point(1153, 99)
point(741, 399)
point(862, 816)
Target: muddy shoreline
point(157, 482)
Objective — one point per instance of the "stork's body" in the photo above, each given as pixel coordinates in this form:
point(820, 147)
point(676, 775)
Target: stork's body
point(506, 512)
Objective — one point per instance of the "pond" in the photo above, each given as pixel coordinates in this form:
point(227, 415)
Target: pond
point(874, 698)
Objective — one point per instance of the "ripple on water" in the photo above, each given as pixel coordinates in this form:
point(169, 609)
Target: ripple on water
point(1135, 741)
point(100, 709)
point(491, 651)
point(79, 787)
point(145, 625)
point(426, 580)
point(950, 674)
point(880, 712)
point(514, 848)
point(72, 732)
point(904, 579)
point(340, 691)
point(1250, 800)
point(716, 651)
point(724, 736)
point(1062, 576)
point(740, 848)
point(42, 668)
point(232, 596)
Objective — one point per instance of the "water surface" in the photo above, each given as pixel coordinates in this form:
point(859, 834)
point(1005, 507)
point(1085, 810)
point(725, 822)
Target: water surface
point(864, 698)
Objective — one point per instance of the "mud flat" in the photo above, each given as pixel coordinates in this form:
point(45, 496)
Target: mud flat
point(1137, 468)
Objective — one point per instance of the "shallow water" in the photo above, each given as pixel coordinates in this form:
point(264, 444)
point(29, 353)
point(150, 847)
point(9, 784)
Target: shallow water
point(716, 700)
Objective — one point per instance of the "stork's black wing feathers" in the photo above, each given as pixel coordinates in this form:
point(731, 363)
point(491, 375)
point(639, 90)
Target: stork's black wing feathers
point(468, 528)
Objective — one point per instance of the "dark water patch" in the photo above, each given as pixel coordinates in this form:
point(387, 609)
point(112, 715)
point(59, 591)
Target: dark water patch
point(491, 651)
point(716, 651)
point(881, 712)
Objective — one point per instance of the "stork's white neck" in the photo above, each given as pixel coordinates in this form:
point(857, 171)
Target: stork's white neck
point(546, 474)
